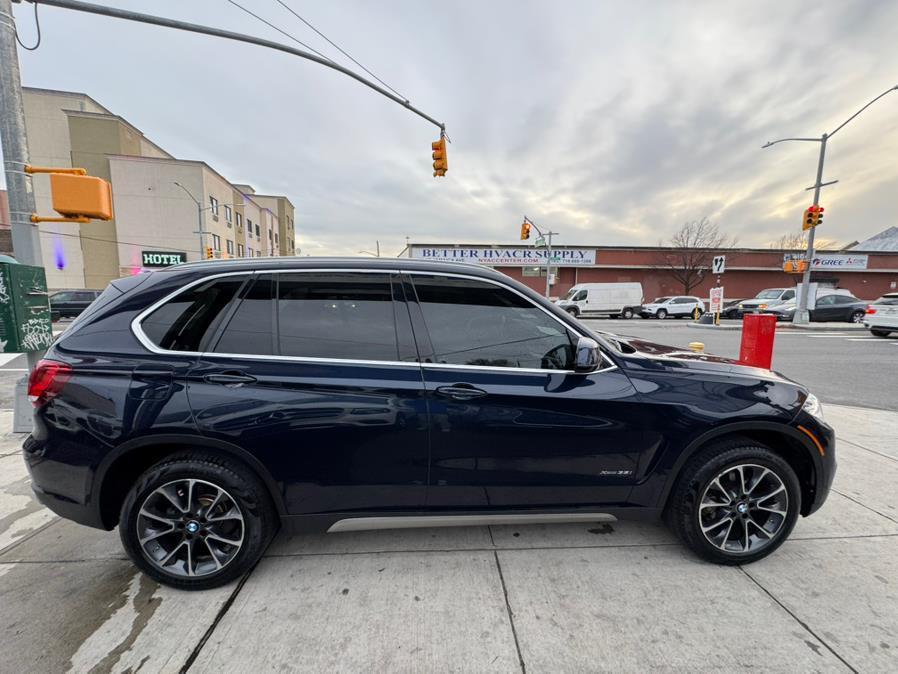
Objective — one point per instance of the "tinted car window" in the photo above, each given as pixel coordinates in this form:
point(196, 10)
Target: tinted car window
point(188, 321)
point(580, 296)
point(826, 301)
point(887, 299)
point(251, 329)
point(844, 299)
point(478, 323)
point(788, 295)
point(61, 297)
point(336, 315)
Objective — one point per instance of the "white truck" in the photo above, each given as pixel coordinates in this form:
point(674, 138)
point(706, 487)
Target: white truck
point(603, 299)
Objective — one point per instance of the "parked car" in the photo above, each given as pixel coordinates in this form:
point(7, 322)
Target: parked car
point(236, 397)
point(881, 317)
point(70, 303)
point(603, 299)
point(766, 299)
point(677, 306)
point(828, 308)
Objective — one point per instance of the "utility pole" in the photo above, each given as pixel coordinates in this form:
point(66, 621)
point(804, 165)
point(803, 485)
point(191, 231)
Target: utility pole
point(547, 240)
point(199, 220)
point(802, 315)
point(26, 241)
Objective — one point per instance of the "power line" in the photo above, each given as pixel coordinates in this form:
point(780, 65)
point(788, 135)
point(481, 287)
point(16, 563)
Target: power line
point(282, 32)
point(337, 47)
point(37, 23)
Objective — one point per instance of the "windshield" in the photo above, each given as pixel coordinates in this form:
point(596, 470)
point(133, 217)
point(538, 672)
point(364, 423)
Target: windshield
point(571, 293)
point(660, 300)
point(771, 294)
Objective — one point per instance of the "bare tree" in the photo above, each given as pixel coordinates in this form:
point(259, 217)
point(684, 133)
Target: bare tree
point(797, 241)
point(691, 250)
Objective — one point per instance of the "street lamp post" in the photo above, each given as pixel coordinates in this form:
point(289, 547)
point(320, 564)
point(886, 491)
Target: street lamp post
point(199, 218)
point(547, 237)
point(801, 312)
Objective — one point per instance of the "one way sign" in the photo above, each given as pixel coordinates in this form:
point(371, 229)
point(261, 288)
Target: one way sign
point(719, 264)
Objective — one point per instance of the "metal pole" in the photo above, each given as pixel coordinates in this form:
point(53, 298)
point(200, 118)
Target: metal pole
point(802, 316)
point(549, 262)
point(26, 242)
point(199, 222)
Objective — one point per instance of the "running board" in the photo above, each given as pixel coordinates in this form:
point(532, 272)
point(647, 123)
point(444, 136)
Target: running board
point(426, 521)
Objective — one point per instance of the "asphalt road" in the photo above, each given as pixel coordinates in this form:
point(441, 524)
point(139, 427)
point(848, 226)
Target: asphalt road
point(846, 367)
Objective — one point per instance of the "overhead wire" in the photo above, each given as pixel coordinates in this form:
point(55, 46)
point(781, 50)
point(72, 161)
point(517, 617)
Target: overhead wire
point(37, 23)
point(338, 47)
point(280, 30)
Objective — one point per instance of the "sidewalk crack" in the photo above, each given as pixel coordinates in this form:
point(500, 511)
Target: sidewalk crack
point(514, 631)
point(864, 505)
point(804, 625)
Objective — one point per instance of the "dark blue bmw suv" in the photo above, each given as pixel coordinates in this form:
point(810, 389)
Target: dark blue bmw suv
point(201, 407)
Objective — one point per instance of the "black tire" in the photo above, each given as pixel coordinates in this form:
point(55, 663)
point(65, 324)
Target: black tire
point(573, 311)
point(661, 314)
point(258, 520)
point(627, 313)
point(879, 333)
point(857, 317)
point(685, 517)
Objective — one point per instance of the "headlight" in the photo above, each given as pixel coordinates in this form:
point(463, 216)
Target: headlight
point(812, 406)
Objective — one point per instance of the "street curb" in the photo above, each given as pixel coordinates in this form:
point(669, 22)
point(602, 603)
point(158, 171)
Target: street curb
point(785, 326)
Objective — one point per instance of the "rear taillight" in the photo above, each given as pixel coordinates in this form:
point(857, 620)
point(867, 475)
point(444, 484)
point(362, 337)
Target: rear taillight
point(871, 310)
point(47, 379)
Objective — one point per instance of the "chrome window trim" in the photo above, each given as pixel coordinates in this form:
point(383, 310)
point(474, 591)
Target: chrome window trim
point(145, 341)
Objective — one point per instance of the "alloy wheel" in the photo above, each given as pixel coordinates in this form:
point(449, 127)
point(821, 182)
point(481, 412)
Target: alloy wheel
point(743, 509)
point(857, 317)
point(190, 528)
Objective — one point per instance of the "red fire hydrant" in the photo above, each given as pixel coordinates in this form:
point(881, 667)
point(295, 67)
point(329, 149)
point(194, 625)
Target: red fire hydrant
point(758, 331)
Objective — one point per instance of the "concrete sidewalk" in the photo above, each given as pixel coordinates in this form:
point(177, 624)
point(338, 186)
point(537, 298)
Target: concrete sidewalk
point(614, 597)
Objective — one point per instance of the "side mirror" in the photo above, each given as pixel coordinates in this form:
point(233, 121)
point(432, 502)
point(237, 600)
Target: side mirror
point(588, 356)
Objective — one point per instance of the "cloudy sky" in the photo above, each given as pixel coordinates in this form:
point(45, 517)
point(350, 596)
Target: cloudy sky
point(611, 122)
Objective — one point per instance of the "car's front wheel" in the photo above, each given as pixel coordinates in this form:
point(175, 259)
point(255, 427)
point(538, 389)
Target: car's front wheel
point(661, 313)
point(197, 521)
point(879, 333)
point(627, 313)
point(735, 502)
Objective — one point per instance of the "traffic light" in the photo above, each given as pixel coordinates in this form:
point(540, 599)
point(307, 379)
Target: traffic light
point(525, 230)
point(813, 216)
point(440, 161)
point(210, 254)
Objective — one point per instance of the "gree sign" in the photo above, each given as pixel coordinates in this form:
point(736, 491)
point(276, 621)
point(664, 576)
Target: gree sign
point(508, 257)
point(155, 258)
point(828, 261)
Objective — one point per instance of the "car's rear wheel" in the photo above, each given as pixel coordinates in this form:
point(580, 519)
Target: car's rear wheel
point(627, 313)
point(735, 502)
point(573, 311)
point(661, 313)
point(196, 521)
point(857, 317)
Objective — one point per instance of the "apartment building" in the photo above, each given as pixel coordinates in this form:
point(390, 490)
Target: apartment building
point(163, 205)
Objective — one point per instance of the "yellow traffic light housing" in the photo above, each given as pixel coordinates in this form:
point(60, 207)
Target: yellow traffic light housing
point(525, 230)
point(210, 254)
point(77, 197)
point(795, 266)
point(440, 160)
point(813, 216)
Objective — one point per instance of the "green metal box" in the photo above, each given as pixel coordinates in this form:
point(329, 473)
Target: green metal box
point(25, 323)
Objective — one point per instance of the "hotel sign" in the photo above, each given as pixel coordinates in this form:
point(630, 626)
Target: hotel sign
point(508, 257)
point(156, 258)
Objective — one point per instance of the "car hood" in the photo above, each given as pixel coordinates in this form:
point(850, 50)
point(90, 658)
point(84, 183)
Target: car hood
point(661, 355)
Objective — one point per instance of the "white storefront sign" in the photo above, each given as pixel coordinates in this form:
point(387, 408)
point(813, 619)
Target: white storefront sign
point(716, 303)
point(509, 257)
point(843, 262)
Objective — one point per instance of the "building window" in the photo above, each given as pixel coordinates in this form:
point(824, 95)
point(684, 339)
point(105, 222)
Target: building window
point(216, 242)
point(258, 231)
point(249, 252)
point(239, 250)
point(213, 204)
point(269, 235)
point(239, 220)
point(533, 271)
point(249, 226)
point(258, 253)
point(275, 238)
point(230, 246)
point(228, 215)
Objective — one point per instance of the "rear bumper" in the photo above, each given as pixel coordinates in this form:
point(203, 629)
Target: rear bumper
point(60, 486)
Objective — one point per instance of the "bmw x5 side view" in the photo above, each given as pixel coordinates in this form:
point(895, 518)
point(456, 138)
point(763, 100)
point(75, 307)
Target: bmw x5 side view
point(203, 407)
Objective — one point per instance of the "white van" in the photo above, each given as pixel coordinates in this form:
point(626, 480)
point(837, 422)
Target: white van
point(603, 299)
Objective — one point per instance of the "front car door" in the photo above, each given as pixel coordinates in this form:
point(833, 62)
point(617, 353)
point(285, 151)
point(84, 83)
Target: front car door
point(824, 309)
point(511, 424)
point(315, 374)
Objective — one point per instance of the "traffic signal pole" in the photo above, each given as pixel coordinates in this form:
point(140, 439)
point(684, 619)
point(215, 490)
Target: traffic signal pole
point(802, 315)
point(26, 242)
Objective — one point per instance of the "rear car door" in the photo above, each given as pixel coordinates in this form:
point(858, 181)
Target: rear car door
point(511, 424)
point(825, 309)
point(315, 374)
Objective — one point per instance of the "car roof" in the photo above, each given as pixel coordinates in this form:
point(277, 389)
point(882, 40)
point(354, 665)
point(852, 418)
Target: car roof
point(286, 263)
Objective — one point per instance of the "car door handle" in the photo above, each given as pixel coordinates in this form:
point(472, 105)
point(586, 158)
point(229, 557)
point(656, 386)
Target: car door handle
point(460, 392)
point(232, 379)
